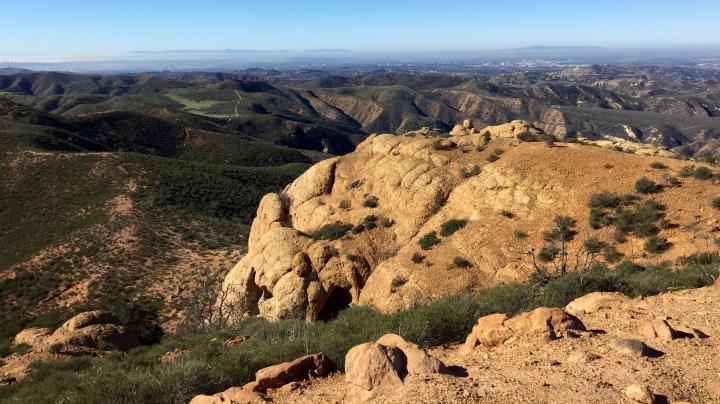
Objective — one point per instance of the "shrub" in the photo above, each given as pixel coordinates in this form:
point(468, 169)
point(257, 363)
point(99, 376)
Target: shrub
point(715, 203)
point(611, 254)
point(593, 245)
point(330, 252)
point(473, 171)
point(397, 283)
point(386, 222)
point(520, 235)
point(703, 173)
point(459, 262)
point(646, 229)
point(526, 137)
point(331, 231)
point(687, 171)
point(657, 245)
point(370, 222)
point(370, 202)
point(607, 200)
point(646, 186)
point(344, 204)
point(658, 165)
point(429, 240)
point(598, 218)
point(548, 253)
point(492, 158)
point(451, 226)
point(507, 214)
point(418, 258)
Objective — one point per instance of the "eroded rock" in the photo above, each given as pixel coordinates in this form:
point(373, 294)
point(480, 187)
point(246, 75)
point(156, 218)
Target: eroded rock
point(495, 329)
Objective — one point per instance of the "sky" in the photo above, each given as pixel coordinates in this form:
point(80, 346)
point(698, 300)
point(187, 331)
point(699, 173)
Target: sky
point(101, 27)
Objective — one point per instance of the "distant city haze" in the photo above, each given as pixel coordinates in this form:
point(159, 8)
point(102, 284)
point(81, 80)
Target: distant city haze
point(77, 30)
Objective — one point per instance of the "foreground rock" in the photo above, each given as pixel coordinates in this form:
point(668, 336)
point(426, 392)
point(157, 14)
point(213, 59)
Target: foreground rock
point(640, 394)
point(281, 376)
point(594, 302)
point(373, 369)
point(547, 323)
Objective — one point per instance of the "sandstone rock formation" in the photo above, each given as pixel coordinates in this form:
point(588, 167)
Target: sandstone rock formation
point(347, 231)
point(272, 377)
point(85, 333)
point(375, 368)
point(90, 333)
point(593, 302)
point(549, 323)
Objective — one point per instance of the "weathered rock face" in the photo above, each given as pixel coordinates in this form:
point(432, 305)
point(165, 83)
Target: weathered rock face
point(594, 302)
point(84, 333)
point(278, 377)
point(348, 230)
point(549, 323)
point(373, 369)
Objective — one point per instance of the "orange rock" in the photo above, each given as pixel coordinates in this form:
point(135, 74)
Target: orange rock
point(300, 369)
point(375, 367)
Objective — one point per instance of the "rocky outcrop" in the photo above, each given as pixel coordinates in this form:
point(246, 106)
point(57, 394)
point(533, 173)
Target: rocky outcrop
point(86, 333)
point(372, 369)
point(548, 323)
point(348, 230)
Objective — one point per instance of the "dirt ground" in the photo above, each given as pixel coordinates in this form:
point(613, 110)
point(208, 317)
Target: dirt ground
point(532, 371)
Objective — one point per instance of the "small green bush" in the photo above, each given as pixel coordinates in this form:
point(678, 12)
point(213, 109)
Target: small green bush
point(520, 235)
point(429, 240)
point(370, 222)
point(332, 231)
point(611, 254)
point(658, 165)
point(451, 226)
point(491, 158)
point(657, 244)
point(608, 200)
point(370, 202)
point(397, 283)
point(703, 173)
point(418, 258)
point(646, 186)
point(715, 203)
point(548, 253)
point(459, 262)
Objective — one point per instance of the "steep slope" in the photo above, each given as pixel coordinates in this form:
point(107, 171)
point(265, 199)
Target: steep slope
point(404, 220)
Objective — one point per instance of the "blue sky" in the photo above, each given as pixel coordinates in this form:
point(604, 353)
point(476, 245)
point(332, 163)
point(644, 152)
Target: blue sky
point(41, 27)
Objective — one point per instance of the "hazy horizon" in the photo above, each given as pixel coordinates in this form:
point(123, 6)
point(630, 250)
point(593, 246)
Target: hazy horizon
point(102, 29)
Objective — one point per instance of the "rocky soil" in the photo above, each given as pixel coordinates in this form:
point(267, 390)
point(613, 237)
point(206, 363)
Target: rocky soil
point(597, 365)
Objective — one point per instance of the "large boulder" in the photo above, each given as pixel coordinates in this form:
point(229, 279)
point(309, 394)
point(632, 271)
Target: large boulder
point(92, 330)
point(300, 369)
point(418, 361)
point(593, 302)
point(548, 323)
point(372, 369)
point(376, 367)
point(233, 395)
